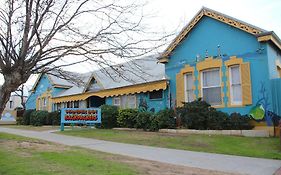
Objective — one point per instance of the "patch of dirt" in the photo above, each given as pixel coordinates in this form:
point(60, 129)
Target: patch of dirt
point(36, 146)
point(41, 146)
point(147, 167)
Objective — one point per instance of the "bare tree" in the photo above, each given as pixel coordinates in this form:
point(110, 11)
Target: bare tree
point(20, 93)
point(37, 36)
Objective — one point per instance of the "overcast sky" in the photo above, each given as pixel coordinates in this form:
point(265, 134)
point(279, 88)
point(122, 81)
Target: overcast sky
point(265, 14)
point(171, 15)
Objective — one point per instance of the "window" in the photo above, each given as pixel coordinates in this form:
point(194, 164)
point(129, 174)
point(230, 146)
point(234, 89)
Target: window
point(211, 86)
point(125, 101)
point(58, 106)
point(131, 101)
point(156, 94)
point(44, 102)
point(188, 84)
point(235, 85)
point(76, 104)
point(116, 101)
point(69, 104)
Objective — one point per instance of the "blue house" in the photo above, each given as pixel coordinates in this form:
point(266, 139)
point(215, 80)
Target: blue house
point(138, 83)
point(231, 64)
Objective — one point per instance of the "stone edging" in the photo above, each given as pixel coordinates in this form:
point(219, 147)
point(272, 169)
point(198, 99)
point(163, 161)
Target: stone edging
point(246, 133)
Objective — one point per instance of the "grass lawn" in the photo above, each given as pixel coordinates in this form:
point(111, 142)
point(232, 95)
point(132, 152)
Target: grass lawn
point(243, 146)
point(25, 156)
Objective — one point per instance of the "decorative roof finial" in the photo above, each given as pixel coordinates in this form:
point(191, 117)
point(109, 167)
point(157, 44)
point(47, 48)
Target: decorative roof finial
point(219, 51)
point(206, 54)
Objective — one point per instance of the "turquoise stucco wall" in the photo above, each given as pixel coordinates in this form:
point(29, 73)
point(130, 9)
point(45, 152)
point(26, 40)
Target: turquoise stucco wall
point(207, 35)
point(42, 86)
point(273, 55)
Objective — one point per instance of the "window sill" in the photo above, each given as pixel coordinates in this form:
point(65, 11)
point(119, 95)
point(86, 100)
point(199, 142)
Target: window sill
point(157, 99)
point(218, 106)
point(235, 106)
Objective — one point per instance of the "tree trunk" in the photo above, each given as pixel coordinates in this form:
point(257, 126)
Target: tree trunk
point(12, 81)
point(5, 92)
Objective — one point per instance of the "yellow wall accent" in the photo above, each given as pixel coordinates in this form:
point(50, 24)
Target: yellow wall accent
point(272, 38)
point(246, 84)
point(39, 101)
point(180, 94)
point(145, 87)
point(210, 63)
point(245, 77)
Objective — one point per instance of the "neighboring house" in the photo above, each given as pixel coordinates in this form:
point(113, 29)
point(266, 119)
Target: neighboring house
point(15, 102)
point(234, 66)
point(9, 114)
point(231, 64)
point(137, 83)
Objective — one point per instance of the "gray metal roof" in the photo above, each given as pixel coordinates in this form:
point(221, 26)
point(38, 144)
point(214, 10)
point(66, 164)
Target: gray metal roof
point(133, 72)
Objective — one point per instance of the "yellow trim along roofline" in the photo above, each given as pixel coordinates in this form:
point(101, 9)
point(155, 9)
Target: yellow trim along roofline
point(212, 14)
point(145, 87)
point(270, 37)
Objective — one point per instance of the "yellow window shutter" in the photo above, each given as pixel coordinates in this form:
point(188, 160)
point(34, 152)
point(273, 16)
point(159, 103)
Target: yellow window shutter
point(246, 84)
point(179, 89)
point(37, 103)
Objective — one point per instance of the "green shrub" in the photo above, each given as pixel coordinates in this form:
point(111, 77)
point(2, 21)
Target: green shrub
point(237, 121)
point(54, 118)
point(26, 117)
point(144, 119)
point(37, 118)
point(166, 119)
point(200, 115)
point(195, 115)
point(217, 120)
point(154, 123)
point(127, 118)
point(108, 116)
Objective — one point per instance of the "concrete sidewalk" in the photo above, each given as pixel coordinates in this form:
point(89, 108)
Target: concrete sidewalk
point(218, 162)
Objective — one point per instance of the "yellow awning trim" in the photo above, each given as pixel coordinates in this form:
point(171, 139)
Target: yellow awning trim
point(139, 88)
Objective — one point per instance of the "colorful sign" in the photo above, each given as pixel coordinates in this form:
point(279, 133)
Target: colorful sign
point(80, 116)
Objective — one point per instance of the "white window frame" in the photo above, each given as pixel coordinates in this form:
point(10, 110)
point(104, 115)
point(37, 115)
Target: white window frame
point(185, 88)
point(129, 100)
point(202, 87)
point(44, 102)
point(232, 102)
point(117, 104)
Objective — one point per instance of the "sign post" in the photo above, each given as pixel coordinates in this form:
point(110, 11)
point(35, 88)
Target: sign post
point(80, 116)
